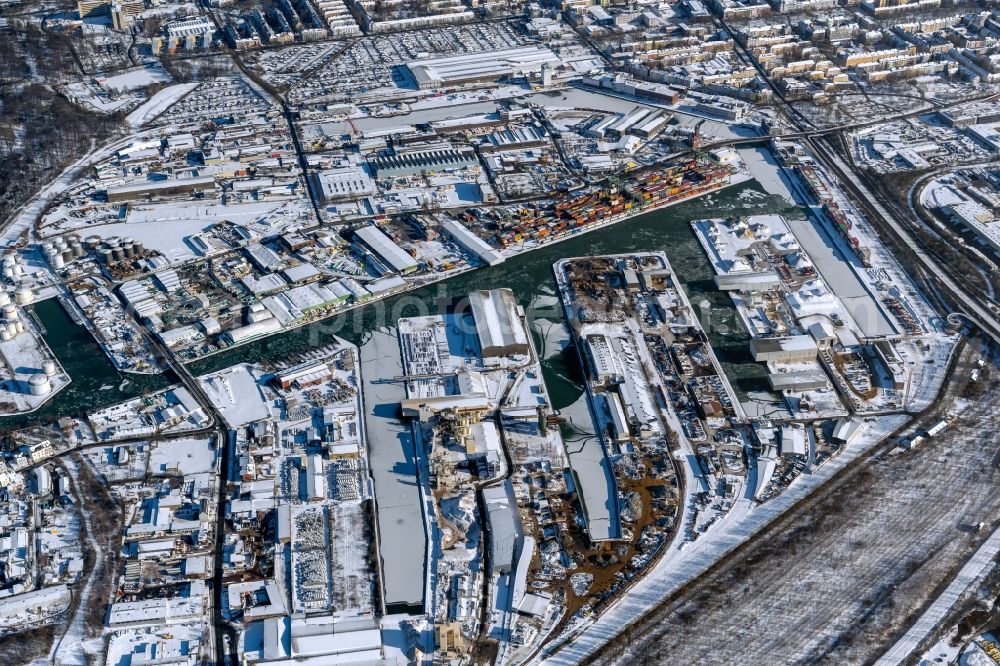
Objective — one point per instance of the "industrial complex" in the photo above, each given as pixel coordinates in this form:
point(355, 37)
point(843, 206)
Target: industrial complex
point(349, 332)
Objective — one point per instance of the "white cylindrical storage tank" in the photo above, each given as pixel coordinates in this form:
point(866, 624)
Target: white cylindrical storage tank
point(11, 328)
point(57, 261)
point(19, 325)
point(18, 270)
point(24, 295)
point(4, 297)
point(39, 385)
point(4, 335)
point(49, 367)
point(48, 249)
point(9, 311)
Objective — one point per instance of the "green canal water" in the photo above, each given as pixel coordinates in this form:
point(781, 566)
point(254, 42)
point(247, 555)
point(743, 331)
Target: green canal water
point(97, 383)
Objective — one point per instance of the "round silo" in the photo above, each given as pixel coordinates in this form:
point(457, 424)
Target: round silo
point(39, 385)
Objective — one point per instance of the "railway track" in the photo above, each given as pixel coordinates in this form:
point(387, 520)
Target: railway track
point(627, 635)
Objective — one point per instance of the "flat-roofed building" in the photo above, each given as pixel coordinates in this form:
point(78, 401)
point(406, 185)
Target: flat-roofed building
point(304, 272)
point(315, 478)
point(47, 599)
point(481, 66)
point(791, 349)
point(498, 323)
point(793, 441)
point(978, 219)
point(161, 188)
point(748, 281)
point(123, 12)
point(464, 408)
point(304, 376)
point(414, 163)
point(505, 531)
point(604, 366)
point(395, 257)
point(191, 26)
point(798, 380)
point(251, 331)
point(321, 639)
point(470, 242)
point(341, 184)
point(89, 8)
point(158, 611)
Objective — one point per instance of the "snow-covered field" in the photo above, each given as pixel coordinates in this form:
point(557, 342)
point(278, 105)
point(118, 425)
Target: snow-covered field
point(135, 78)
point(158, 103)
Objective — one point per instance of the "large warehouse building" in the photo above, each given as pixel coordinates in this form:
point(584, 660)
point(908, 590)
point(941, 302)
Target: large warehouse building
point(404, 165)
point(479, 67)
point(505, 530)
point(498, 324)
point(791, 349)
point(341, 184)
point(470, 242)
point(161, 188)
point(396, 258)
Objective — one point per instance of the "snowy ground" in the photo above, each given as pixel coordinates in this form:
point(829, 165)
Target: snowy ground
point(158, 103)
point(135, 78)
point(674, 570)
point(907, 524)
point(765, 170)
point(73, 647)
point(24, 356)
point(973, 572)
